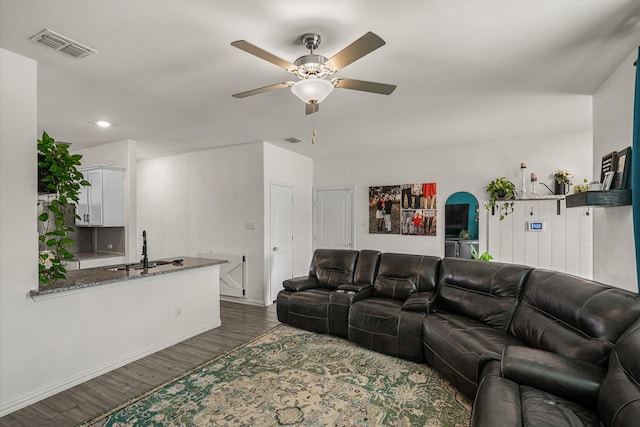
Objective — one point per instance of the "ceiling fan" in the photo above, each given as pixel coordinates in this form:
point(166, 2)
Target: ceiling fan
point(313, 70)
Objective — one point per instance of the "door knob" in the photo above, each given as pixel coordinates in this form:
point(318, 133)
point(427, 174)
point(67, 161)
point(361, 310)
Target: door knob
point(276, 249)
point(348, 245)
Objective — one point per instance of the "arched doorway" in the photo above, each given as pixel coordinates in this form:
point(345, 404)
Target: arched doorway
point(461, 220)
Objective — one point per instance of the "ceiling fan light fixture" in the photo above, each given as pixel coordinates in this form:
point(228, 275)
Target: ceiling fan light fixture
point(102, 123)
point(312, 91)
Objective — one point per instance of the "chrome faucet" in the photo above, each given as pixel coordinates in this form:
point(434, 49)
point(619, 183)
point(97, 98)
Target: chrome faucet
point(144, 260)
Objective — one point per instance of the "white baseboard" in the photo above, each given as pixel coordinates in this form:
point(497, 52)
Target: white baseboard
point(38, 395)
point(242, 300)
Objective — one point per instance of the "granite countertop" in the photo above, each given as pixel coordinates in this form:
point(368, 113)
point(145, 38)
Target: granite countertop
point(90, 277)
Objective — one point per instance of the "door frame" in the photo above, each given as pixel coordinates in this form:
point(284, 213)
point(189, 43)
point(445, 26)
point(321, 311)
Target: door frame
point(268, 292)
point(314, 199)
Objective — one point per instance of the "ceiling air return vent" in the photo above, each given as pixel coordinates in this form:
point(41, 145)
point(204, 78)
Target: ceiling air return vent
point(293, 139)
point(62, 44)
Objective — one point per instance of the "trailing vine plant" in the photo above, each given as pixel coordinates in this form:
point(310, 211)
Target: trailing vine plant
point(502, 192)
point(63, 180)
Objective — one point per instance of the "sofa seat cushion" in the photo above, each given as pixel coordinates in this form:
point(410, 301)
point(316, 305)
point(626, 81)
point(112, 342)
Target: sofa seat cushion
point(381, 325)
point(503, 403)
point(540, 408)
point(377, 314)
point(310, 310)
point(459, 347)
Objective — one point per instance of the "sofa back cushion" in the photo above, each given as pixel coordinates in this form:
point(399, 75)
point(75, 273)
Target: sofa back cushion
point(367, 267)
point(572, 316)
point(619, 397)
point(333, 267)
point(487, 292)
point(400, 275)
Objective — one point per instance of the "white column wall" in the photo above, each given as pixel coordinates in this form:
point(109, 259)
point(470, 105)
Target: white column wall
point(454, 168)
point(613, 255)
point(285, 167)
point(19, 319)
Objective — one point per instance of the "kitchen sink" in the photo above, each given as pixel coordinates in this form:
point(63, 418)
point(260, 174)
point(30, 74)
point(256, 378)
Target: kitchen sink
point(138, 265)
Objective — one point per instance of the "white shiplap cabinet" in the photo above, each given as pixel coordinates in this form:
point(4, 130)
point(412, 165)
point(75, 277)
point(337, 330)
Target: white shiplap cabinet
point(564, 244)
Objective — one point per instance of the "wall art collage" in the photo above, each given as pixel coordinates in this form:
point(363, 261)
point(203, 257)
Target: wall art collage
point(407, 209)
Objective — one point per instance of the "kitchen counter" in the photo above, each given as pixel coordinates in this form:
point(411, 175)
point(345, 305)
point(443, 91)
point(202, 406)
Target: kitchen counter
point(99, 276)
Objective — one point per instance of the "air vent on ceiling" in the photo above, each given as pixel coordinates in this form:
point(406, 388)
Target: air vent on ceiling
point(293, 139)
point(62, 44)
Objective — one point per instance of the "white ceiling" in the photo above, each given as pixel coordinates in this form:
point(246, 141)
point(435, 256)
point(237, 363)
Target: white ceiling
point(467, 71)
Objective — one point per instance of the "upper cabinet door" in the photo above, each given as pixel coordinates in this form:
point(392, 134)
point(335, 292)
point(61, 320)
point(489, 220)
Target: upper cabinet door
point(95, 197)
point(102, 203)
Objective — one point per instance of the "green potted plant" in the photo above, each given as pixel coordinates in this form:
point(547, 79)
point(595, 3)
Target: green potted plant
point(581, 188)
point(502, 193)
point(63, 181)
point(485, 256)
point(465, 234)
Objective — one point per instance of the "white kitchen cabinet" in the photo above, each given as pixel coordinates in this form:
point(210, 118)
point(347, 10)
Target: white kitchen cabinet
point(102, 203)
point(542, 233)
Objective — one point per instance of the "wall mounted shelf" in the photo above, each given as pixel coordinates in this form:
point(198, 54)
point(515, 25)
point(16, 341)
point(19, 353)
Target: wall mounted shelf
point(600, 198)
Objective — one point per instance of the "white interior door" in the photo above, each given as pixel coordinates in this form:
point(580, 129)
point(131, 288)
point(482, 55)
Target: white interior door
point(281, 237)
point(333, 218)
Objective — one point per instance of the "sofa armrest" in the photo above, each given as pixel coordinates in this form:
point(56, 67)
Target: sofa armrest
point(497, 403)
point(354, 287)
point(298, 284)
point(572, 379)
point(423, 302)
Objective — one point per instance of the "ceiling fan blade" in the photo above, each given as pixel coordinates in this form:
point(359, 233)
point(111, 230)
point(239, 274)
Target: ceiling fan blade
point(381, 88)
point(356, 50)
point(263, 54)
point(262, 90)
point(311, 108)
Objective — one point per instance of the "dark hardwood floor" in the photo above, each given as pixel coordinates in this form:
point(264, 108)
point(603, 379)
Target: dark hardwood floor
point(240, 323)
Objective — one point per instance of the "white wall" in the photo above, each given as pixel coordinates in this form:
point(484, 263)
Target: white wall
point(614, 256)
point(49, 345)
point(201, 202)
point(18, 245)
point(454, 168)
point(120, 154)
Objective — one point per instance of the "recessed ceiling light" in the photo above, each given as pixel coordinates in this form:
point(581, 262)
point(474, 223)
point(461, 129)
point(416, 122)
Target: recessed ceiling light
point(102, 123)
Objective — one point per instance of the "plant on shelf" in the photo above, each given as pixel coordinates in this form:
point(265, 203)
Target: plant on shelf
point(63, 182)
point(464, 234)
point(581, 188)
point(502, 192)
point(562, 181)
point(562, 176)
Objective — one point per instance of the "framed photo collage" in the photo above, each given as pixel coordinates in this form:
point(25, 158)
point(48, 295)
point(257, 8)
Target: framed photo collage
point(406, 209)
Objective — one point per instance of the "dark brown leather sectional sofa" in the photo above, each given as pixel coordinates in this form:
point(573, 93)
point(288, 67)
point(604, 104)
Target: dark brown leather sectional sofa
point(533, 347)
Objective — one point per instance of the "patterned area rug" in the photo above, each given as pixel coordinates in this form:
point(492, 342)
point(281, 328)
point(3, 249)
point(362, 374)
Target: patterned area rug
point(292, 377)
